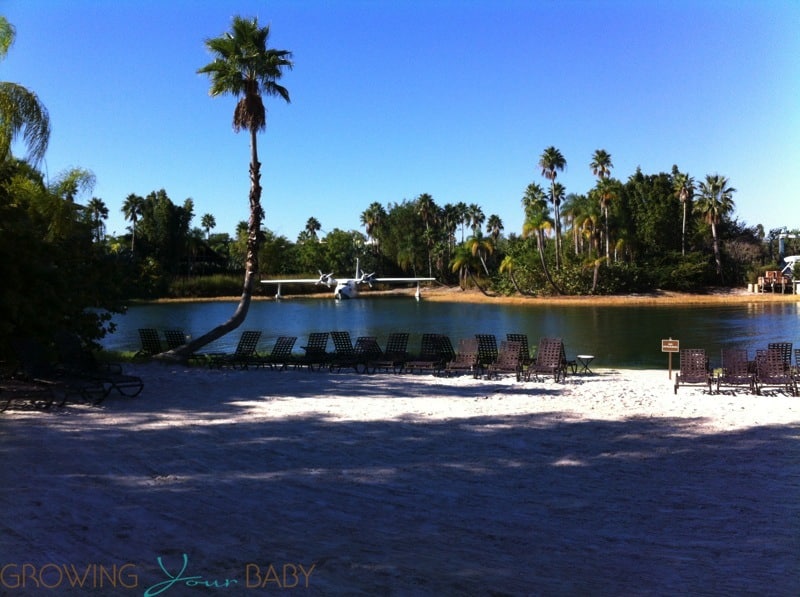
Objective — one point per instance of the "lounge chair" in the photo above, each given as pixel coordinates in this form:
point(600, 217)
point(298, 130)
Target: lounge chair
point(316, 351)
point(524, 348)
point(15, 390)
point(509, 360)
point(175, 338)
point(356, 355)
point(281, 354)
point(550, 360)
point(78, 361)
point(693, 369)
point(244, 355)
point(771, 371)
point(343, 351)
point(785, 350)
point(37, 368)
point(431, 355)
point(487, 350)
point(151, 343)
point(736, 370)
point(465, 359)
point(395, 355)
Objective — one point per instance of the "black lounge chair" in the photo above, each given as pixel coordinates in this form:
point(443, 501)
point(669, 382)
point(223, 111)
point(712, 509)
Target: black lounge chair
point(465, 359)
point(735, 370)
point(693, 369)
point(35, 394)
point(316, 351)
point(175, 338)
point(78, 361)
point(487, 350)
point(151, 343)
point(281, 355)
point(524, 348)
point(432, 356)
point(244, 355)
point(35, 367)
point(771, 371)
point(508, 360)
point(395, 355)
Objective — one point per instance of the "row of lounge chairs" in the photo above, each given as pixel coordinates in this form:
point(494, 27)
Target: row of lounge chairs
point(66, 371)
point(479, 355)
point(771, 368)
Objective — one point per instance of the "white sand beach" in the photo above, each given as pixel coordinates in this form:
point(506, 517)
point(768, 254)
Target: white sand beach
point(266, 482)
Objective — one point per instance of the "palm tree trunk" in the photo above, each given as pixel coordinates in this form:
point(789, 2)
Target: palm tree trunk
point(540, 247)
point(182, 353)
point(717, 256)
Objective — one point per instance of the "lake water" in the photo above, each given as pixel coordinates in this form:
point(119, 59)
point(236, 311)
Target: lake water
point(618, 336)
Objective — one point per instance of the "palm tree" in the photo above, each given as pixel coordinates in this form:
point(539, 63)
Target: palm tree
point(494, 226)
point(427, 209)
point(21, 112)
point(480, 247)
point(551, 162)
point(312, 227)
point(601, 163)
point(475, 217)
point(509, 265)
point(462, 216)
point(245, 67)
point(714, 204)
point(605, 192)
point(684, 189)
point(97, 212)
point(132, 209)
point(537, 220)
point(464, 262)
point(208, 223)
point(373, 219)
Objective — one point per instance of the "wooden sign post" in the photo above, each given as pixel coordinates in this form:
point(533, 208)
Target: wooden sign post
point(669, 346)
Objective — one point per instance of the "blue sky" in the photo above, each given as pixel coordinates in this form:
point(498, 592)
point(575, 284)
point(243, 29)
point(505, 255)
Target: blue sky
point(393, 99)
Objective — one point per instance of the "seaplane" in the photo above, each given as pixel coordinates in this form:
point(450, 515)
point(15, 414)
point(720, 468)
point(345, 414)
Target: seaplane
point(791, 261)
point(348, 288)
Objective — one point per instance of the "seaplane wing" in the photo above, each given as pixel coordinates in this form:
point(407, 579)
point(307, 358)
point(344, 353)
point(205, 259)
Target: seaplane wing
point(401, 280)
point(344, 288)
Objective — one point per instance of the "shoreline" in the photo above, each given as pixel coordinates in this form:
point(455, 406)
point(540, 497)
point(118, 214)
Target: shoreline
point(456, 295)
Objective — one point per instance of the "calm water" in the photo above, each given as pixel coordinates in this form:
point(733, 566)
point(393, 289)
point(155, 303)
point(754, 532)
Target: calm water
point(618, 336)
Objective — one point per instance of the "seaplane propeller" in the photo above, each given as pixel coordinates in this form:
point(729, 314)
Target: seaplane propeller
point(368, 278)
point(325, 278)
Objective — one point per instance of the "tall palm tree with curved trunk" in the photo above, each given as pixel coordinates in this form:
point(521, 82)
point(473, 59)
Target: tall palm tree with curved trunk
point(247, 68)
point(537, 221)
point(132, 209)
point(715, 203)
point(21, 112)
point(552, 162)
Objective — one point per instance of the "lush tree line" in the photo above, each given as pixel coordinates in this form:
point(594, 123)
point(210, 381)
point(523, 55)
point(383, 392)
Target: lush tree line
point(61, 270)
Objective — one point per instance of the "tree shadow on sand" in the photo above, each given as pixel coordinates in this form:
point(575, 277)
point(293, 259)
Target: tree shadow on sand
point(533, 504)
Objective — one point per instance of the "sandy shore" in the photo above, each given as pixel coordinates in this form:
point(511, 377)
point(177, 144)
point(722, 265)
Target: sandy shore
point(345, 484)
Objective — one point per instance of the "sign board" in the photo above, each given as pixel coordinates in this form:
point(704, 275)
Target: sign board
point(670, 345)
